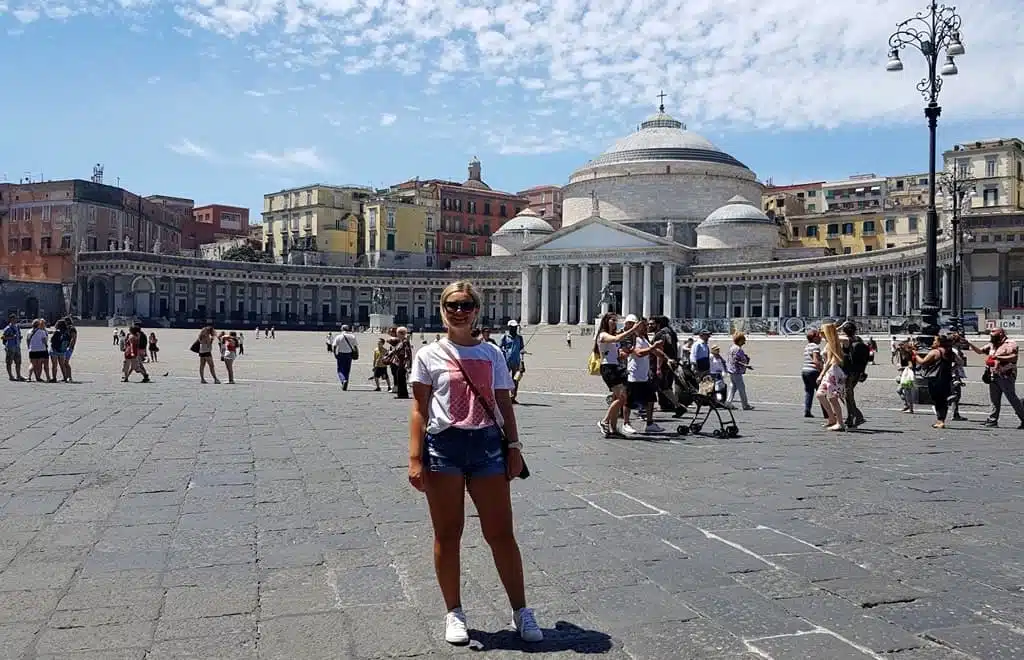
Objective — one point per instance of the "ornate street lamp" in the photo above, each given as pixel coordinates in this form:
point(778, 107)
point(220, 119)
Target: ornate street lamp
point(958, 188)
point(932, 32)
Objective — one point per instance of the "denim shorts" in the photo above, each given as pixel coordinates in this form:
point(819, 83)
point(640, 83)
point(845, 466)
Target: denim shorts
point(469, 452)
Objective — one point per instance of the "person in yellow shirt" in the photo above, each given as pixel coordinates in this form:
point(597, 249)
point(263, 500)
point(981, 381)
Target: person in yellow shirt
point(380, 368)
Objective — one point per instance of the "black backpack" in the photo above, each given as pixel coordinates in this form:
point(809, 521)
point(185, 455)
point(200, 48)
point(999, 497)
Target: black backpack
point(856, 356)
point(143, 341)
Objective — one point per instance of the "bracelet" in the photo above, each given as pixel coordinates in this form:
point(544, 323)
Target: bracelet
point(515, 445)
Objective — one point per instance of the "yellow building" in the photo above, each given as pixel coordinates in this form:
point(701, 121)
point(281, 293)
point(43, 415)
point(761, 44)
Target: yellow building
point(315, 224)
point(840, 232)
point(398, 235)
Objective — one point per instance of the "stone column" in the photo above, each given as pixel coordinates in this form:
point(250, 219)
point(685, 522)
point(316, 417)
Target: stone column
point(764, 301)
point(946, 288)
point(746, 301)
point(728, 300)
point(880, 304)
point(865, 296)
point(563, 295)
point(606, 278)
point(627, 286)
point(783, 300)
point(647, 290)
point(799, 298)
point(920, 291)
point(815, 299)
point(584, 294)
point(833, 300)
point(895, 295)
point(848, 302)
point(668, 295)
point(909, 293)
point(545, 293)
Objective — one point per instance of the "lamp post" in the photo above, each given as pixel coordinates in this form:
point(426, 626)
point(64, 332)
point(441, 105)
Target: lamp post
point(957, 188)
point(930, 32)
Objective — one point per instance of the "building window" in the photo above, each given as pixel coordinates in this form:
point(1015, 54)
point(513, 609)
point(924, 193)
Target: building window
point(391, 242)
point(12, 245)
point(899, 185)
point(428, 245)
point(833, 230)
point(487, 208)
point(890, 225)
point(472, 248)
point(371, 217)
point(868, 248)
point(847, 229)
point(812, 193)
point(391, 218)
point(503, 211)
point(430, 223)
point(518, 209)
point(65, 242)
point(990, 167)
point(448, 245)
point(458, 247)
point(847, 250)
point(869, 228)
point(812, 207)
point(796, 232)
point(45, 243)
point(962, 167)
point(26, 244)
point(487, 229)
point(990, 196)
point(811, 231)
point(912, 223)
point(309, 197)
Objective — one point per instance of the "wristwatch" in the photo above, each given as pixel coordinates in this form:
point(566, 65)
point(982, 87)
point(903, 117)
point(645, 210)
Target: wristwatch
point(515, 445)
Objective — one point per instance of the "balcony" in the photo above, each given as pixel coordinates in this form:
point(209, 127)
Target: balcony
point(867, 232)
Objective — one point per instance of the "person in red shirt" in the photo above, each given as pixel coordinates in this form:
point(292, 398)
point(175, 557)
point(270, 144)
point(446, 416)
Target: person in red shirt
point(1001, 375)
point(133, 356)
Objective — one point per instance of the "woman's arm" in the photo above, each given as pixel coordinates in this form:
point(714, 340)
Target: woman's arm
point(933, 355)
point(655, 347)
point(816, 360)
point(606, 338)
point(417, 428)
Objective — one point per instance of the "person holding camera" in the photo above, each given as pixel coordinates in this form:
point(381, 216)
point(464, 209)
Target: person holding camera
point(1000, 375)
point(936, 368)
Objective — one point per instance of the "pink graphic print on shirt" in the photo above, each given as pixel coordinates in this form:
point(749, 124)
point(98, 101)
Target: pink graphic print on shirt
point(464, 408)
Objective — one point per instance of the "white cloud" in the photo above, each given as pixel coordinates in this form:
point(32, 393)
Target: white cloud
point(725, 64)
point(305, 157)
point(325, 76)
point(152, 80)
point(253, 92)
point(188, 148)
point(387, 119)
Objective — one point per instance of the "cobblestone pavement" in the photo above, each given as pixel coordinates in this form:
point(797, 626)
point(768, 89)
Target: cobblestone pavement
point(272, 519)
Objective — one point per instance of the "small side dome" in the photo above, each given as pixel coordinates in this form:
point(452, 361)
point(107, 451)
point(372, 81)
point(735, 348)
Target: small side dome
point(527, 221)
point(737, 211)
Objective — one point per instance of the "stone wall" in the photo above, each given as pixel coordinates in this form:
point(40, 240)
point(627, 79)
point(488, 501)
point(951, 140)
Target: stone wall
point(682, 196)
point(31, 299)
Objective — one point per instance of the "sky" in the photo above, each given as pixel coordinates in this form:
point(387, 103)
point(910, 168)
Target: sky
point(223, 101)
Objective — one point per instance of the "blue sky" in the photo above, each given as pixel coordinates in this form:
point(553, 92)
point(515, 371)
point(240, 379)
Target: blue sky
point(225, 100)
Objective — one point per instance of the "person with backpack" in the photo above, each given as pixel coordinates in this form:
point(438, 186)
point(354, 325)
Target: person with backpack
point(856, 355)
point(512, 347)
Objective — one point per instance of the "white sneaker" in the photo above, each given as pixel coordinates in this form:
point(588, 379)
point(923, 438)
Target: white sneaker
point(654, 428)
point(527, 626)
point(627, 429)
point(455, 627)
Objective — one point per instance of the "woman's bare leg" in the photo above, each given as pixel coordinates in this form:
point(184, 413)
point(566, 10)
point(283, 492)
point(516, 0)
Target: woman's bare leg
point(446, 498)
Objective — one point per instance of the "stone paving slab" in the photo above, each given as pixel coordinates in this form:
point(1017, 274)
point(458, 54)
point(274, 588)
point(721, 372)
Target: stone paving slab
point(273, 519)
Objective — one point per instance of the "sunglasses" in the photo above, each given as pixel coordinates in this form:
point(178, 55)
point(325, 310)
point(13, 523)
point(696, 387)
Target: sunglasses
point(459, 305)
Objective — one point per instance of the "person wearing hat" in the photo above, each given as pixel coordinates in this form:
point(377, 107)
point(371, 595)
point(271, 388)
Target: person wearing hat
point(700, 355)
point(512, 347)
point(1001, 375)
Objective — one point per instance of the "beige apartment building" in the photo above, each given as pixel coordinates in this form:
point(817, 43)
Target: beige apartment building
point(997, 169)
point(318, 224)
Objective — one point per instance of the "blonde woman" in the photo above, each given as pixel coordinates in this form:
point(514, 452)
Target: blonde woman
point(458, 428)
point(206, 339)
point(832, 381)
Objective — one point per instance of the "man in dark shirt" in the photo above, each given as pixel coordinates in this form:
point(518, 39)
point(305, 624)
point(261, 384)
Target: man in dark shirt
point(667, 399)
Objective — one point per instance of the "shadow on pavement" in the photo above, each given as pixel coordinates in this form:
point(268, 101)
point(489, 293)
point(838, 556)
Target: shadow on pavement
point(564, 636)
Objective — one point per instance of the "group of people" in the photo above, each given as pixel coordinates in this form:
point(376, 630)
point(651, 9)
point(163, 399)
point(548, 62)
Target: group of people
point(229, 347)
point(49, 353)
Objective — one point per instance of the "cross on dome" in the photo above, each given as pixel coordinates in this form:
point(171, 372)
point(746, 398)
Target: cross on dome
point(661, 108)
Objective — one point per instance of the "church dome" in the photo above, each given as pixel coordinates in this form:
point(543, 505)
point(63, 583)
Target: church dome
point(737, 211)
point(662, 137)
point(527, 221)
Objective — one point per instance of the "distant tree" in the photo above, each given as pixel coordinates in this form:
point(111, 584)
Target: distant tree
point(246, 253)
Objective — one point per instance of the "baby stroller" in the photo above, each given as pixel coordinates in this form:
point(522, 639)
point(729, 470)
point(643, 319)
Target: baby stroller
point(700, 392)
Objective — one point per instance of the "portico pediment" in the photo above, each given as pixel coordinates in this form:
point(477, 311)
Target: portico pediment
point(596, 233)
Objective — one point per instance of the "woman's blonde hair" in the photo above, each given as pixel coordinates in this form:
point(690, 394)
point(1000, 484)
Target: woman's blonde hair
point(831, 335)
point(461, 286)
point(739, 338)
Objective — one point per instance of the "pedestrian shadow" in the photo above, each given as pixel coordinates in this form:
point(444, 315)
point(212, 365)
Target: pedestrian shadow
point(522, 404)
point(565, 636)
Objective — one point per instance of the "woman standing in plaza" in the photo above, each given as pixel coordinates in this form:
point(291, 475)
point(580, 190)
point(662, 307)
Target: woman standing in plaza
point(936, 367)
point(205, 340)
point(463, 436)
point(832, 381)
point(606, 346)
point(737, 364)
point(811, 369)
point(38, 350)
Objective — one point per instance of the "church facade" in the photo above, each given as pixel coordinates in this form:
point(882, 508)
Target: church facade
point(661, 223)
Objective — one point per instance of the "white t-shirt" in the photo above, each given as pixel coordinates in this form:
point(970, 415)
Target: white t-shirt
point(638, 367)
point(37, 340)
point(452, 403)
point(345, 342)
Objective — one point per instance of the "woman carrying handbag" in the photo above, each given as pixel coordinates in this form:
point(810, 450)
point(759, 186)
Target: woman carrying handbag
point(463, 436)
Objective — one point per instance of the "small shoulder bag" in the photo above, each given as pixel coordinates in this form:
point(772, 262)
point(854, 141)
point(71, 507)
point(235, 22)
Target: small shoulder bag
point(525, 472)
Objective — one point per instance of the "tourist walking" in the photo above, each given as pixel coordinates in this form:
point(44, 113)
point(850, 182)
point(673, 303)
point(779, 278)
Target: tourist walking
point(700, 354)
point(400, 361)
point(641, 392)
point(132, 355)
point(606, 346)
point(204, 347)
point(229, 354)
point(463, 436)
point(12, 348)
point(936, 367)
point(512, 347)
point(72, 343)
point(1001, 375)
point(832, 381)
point(856, 355)
point(737, 363)
point(154, 348)
point(810, 369)
point(346, 349)
point(380, 367)
point(59, 342)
